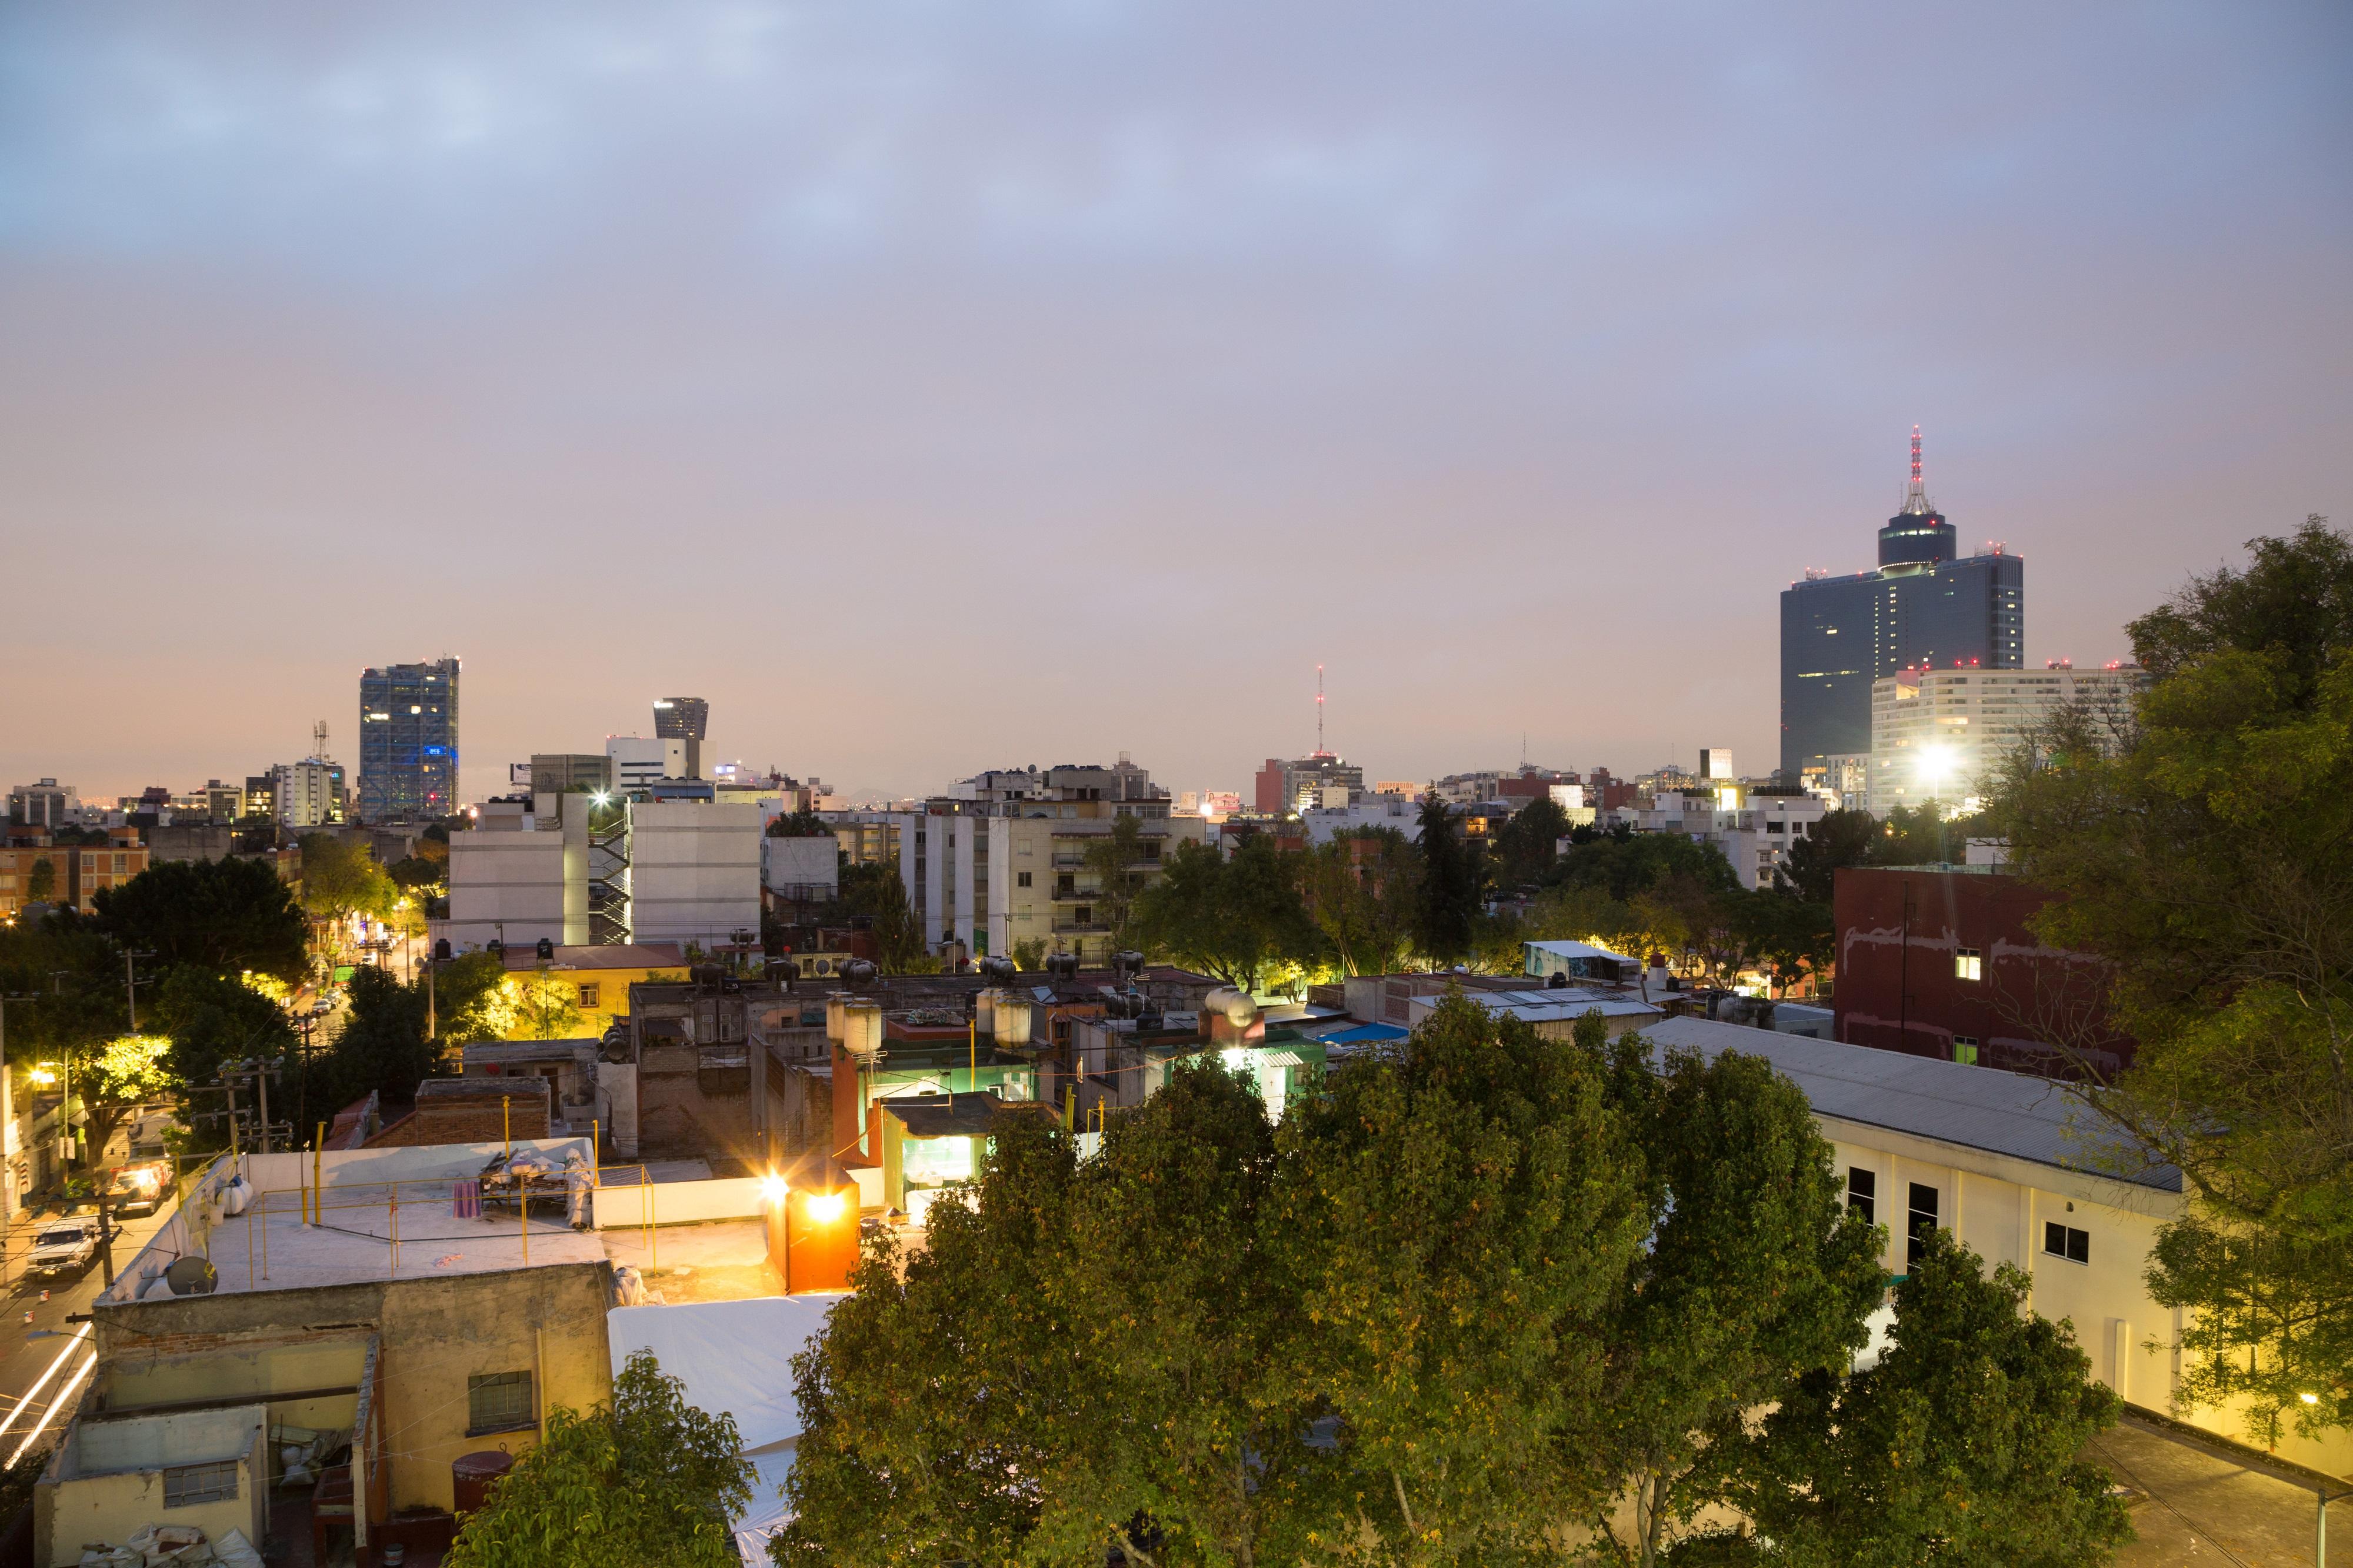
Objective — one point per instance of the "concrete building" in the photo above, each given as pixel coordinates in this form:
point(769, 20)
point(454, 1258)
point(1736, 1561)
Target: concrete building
point(800, 869)
point(520, 876)
point(2021, 1176)
point(1843, 782)
point(599, 975)
point(1925, 605)
point(408, 741)
point(96, 867)
point(1325, 824)
point(1314, 779)
point(686, 720)
point(556, 772)
point(1752, 828)
point(47, 804)
point(695, 871)
point(1938, 734)
point(639, 763)
point(200, 842)
point(307, 794)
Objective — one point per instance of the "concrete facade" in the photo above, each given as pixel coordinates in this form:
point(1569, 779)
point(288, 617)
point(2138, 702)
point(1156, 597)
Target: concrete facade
point(695, 871)
point(521, 877)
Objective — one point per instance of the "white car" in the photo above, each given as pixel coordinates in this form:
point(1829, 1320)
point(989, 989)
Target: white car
point(68, 1249)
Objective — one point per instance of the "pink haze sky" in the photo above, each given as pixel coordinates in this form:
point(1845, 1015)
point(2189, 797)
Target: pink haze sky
point(942, 387)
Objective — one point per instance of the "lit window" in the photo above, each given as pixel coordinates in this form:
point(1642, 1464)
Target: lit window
point(2065, 1241)
point(498, 1402)
point(589, 995)
point(1969, 965)
point(1965, 1049)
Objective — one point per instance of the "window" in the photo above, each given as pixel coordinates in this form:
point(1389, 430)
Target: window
point(589, 995)
point(1965, 1049)
point(1863, 1193)
point(498, 1402)
point(1085, 914)
point(2065, 1241)
point(1923, 1224)
point(1969, 965)
point(185, 1486)
point(1020, 879)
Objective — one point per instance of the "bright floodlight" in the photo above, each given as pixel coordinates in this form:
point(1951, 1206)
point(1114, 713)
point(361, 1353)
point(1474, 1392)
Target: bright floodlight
point(825, 1207)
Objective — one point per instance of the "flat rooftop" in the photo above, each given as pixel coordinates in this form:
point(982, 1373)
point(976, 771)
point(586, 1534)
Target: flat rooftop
point(363, 1235)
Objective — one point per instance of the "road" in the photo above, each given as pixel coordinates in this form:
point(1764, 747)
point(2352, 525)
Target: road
point(23, 1359)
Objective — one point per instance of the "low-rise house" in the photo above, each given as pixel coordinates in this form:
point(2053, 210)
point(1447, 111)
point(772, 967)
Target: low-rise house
point(1554, 1010)
point(205, 1470)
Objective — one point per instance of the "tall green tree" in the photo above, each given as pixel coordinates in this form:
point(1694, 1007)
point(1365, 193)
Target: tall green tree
point(383, 1047)
point(1361, 890)
point(341, 879)
point(1234, 917)
point(2201, 844)
point(212, 1019)
point(1451, 875)
point(225, 915)
point(1754, 1274)
point(982, 1322)
point(873, 890)
point(1963, 1445)
point(1840, 840)
point(1526, 845)
point(1115, 863)
point(1458, 1214)
point(41, 883)
point(646, 1479)
point(1624, 863)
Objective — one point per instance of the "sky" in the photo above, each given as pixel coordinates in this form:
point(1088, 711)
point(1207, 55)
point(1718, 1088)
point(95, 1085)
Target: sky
point(934, 387)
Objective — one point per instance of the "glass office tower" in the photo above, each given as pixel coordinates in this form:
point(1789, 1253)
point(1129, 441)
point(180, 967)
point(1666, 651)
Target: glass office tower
point(408, 741)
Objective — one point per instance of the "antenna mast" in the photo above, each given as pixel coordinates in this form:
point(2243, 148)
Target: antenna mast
point(319, 740)
point(1319, 710)
point(1915, 500)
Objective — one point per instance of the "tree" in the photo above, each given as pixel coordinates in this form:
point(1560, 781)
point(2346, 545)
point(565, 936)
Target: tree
point(1527, 843)
point(1962, 1446)
point(111, 1082)
point(1231, 917)
point(1623, 863)
point(802, 823)
point(1361, 889)
point(2202, 847)
point(1840, 840)
point(647, 1479)
point(1112, 860)
point(1450, 886)
point(543, 1006)
point(227, 915)
point(981, 1322)
point(1753, 1275)
point(383, 1048)
point(1459, 1212)
point(341, 879)
point(873, 890)
point(41, 883)
point(212, 1019)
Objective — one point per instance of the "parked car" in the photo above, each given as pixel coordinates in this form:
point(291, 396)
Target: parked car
point(137, 1189)
point(68, 1249)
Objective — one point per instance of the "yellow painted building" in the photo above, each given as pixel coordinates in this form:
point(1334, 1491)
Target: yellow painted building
point(595, 979)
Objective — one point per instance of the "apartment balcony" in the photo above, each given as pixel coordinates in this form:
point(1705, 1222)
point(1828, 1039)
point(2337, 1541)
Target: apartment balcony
point(1068, 862)
point(1080, 928)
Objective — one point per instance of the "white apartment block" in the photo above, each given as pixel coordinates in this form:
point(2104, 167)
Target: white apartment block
point(310, 794)
point(695, 871)
point(640, 763)
point(1937, 734)
point(1754, 831)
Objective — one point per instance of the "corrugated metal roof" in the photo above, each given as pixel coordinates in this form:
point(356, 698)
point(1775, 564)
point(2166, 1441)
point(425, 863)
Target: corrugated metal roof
point(1544, 1006)
point(1576, 949)
point(1978, 1108)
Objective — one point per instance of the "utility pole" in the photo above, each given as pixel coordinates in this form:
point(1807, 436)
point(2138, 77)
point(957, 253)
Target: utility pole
point(7, 1111)
point(130, 985)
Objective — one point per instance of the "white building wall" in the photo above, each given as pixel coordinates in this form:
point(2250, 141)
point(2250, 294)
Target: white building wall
point(518, 885)
point(640, 761)
point(695, 871)
point(792, 863)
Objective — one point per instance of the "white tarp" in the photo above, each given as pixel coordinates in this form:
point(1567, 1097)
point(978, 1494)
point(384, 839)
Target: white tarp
point(768, 1513)
point(734, 1356)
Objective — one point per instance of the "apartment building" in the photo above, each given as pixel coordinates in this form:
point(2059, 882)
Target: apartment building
point(1753, 828)
point(1937, 734)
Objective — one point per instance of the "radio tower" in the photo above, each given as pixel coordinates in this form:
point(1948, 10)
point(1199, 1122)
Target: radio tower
point(1319, 712)
point(1915, 500)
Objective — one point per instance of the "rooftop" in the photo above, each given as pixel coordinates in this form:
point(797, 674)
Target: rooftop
point(623, 955)
point(1549, 1004)
point(1974, 1107)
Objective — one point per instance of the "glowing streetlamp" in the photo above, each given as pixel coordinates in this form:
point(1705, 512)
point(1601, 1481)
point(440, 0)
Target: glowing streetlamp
point(812, 1225)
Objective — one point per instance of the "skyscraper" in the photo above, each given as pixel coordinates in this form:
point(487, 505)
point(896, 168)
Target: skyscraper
point(683, 719)
point(408, 741)
point(1926, 607)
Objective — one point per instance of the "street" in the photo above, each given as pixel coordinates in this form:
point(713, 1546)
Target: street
point(24, 1360)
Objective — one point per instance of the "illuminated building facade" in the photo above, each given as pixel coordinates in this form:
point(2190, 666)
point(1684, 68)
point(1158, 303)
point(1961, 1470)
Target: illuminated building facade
point(1937, 734)
point(1926, 607)
point(408, 741)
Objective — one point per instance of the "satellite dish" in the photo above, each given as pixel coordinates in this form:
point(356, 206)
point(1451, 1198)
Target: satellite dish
point(190, 1277)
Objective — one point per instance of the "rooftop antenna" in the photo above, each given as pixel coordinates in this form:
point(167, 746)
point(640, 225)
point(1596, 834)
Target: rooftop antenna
point(1318, 712)
point(319, 740)
point(1915, 500)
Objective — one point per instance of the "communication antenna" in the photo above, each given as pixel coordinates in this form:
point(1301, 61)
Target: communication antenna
point(1319, 710)
point(319, 740)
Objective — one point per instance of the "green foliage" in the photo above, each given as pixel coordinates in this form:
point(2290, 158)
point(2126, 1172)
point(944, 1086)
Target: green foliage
point(341, 879)
point(1451, 877)
point(802, 823)
point(1755, 1275)
point(1961, 1446)
point(873, 891)
point(1361, 889)
point(647, 1479)
point(1459, 1216)
point(226, 915)
point(1527, 846)
point(1840, 841)
point(1626, 864)
point(2202, 847)
point(1924, 835)
point(1030, 952)
point(420, 876)
point(212, 1018)
point(382, 1048)
point(1234, 917)
point(1115, 863)
point(41, 883)
point(469, 999)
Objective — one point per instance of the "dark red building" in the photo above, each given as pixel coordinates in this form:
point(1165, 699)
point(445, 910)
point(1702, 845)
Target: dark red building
point(1938, 961)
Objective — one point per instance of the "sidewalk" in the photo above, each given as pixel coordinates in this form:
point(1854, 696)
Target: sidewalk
point(2193, 1506)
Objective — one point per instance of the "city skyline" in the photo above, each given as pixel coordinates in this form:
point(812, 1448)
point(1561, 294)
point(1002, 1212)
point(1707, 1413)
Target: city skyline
point(942, 397)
